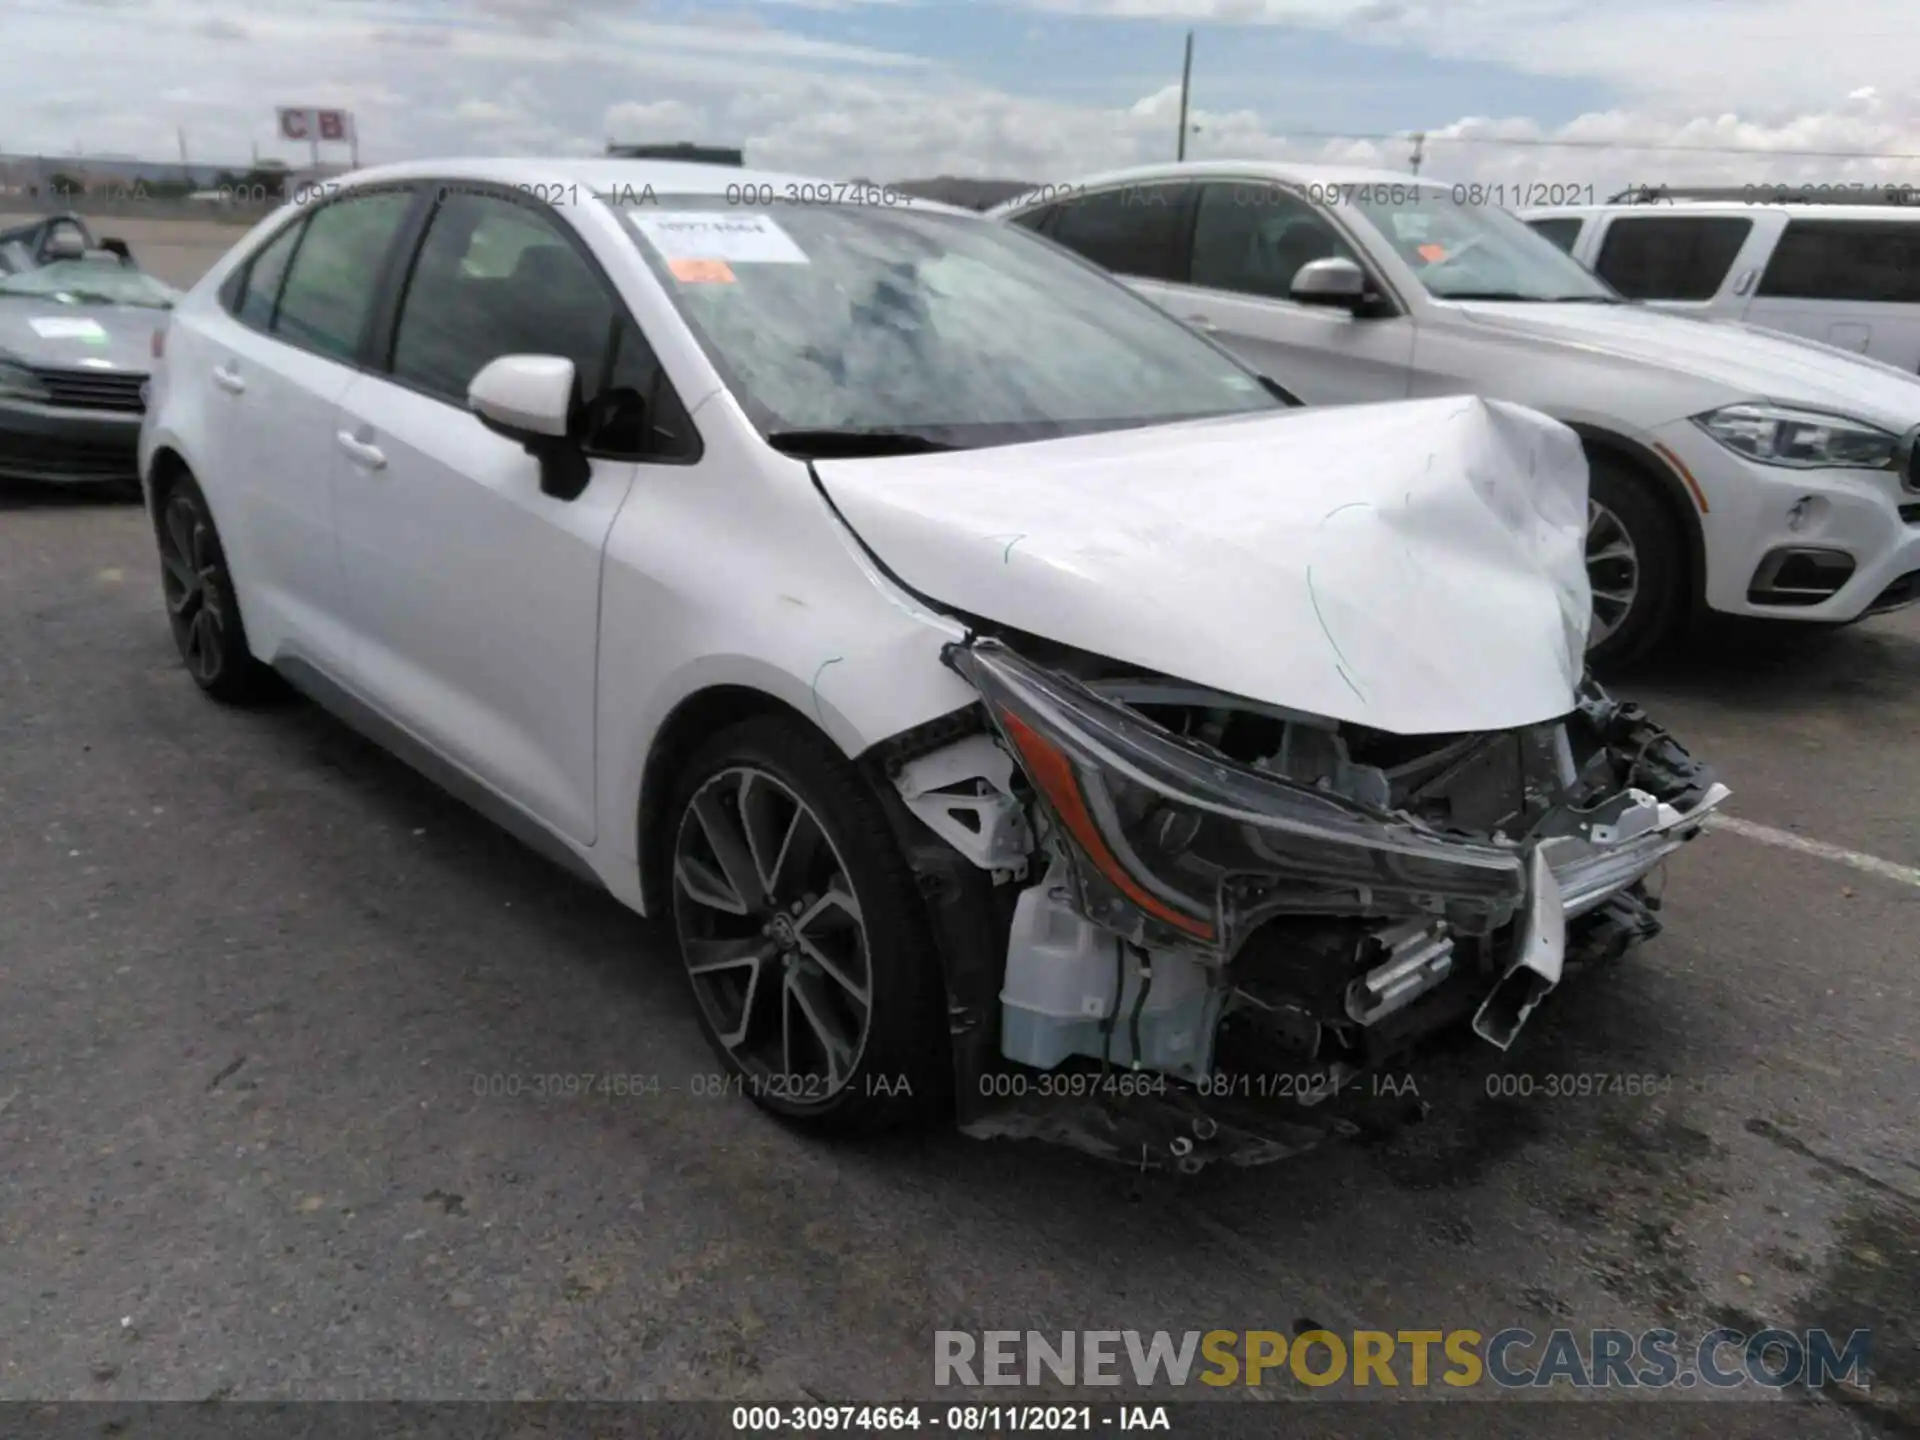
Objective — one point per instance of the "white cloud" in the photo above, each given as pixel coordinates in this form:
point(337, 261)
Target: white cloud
point(564, 76)
point(660, 121)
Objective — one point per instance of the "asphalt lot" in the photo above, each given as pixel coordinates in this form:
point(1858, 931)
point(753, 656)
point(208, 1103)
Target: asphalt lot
point(251, 970)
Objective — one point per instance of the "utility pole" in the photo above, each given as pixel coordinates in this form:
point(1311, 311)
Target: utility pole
point(1186, 85)
point(1419, 145)
point(181, 133)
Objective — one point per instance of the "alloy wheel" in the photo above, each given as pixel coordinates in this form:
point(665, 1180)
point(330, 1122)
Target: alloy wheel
point(772, 935)
point(1613, 571)
point(190, 571)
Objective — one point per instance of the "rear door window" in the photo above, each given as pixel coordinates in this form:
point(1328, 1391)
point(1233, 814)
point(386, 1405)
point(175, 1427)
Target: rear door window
point(1670, 257)
point(1872, 261)
point(1038, 219)
point(1562, 230)
point(329, 290)
point(1131, 230)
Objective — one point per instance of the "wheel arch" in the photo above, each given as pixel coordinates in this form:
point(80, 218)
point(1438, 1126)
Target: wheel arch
point(1667, 488)
point(967, 917)
point(691, 722)
point(165, 469)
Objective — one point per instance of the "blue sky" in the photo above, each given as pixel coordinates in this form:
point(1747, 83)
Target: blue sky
point(1289, 76)
point(1035, 90)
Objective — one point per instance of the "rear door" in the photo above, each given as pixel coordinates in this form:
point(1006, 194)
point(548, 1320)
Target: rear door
point(278, 361)
point(1250, 238)
point(1689, 263)
point(474, 596)
point(1854, 283)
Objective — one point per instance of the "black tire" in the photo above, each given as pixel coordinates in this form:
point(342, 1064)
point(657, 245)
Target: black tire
point(202, 609)
point(901, 1072)
point(1659, 599)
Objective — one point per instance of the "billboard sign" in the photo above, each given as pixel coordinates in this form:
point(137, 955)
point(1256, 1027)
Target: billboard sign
point(304, 122)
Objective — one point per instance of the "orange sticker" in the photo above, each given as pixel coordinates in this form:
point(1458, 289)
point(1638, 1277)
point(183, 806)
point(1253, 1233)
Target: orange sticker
point(1433, 254)
point(701, 272)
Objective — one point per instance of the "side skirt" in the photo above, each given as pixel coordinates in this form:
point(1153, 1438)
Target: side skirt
point(358, 715)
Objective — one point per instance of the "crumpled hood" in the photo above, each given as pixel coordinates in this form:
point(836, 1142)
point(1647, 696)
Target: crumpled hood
point(1417, 567)
point(85, 337)
point(1749, 361)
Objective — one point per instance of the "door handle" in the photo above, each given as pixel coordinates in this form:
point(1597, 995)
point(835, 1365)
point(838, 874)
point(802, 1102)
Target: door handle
point(228, 379)
point(366, 456)
point(1202, 323)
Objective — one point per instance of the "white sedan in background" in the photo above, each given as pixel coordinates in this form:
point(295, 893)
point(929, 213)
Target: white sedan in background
point(982, 672)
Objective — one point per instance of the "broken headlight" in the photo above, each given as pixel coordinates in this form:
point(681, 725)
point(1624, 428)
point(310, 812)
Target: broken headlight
point(1173, 844)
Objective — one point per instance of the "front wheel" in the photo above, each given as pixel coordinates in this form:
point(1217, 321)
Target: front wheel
point(803, 933)
point(1634, 566)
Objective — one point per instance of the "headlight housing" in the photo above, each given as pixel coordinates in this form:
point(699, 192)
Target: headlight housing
point(17, 382)
point(1171, 844)
point(1800, 439)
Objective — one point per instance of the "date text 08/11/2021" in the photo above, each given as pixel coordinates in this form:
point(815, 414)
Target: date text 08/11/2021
point(953, 1419)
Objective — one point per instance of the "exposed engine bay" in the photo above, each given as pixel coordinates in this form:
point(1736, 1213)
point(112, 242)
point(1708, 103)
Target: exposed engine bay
point(1223, 895)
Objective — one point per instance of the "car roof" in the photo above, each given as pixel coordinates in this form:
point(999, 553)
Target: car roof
point(1799, 210)
point(604, 174)
point(1285, 171)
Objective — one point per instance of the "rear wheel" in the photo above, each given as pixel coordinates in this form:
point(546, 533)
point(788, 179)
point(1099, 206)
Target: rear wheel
point(803, 933)
point(201, 607)
point(1634, 565)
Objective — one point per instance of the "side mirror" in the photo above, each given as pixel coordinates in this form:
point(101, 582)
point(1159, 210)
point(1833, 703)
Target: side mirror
point(113, 244)
point(1335, 282)
point(534, 399)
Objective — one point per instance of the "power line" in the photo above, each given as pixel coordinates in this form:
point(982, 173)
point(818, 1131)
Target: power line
point(1663, 147)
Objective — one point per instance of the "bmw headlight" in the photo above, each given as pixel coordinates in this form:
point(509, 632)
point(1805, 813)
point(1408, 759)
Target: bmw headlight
point(17, 382)
point(1800, 439)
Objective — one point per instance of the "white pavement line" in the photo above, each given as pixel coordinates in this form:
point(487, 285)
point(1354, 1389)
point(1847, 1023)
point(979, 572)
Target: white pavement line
point(1787, 840)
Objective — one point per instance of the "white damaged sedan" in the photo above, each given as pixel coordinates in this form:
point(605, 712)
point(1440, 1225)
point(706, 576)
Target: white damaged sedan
point(1016, 707)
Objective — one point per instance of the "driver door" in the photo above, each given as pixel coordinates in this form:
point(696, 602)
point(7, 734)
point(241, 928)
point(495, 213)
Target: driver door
point(474, 596)
point(1249, 240)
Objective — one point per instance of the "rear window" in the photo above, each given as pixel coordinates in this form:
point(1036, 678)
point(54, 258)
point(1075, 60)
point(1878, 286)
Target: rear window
point(1562, 230)
point(1875, 261)
point(1670, 257)
point(256, 289)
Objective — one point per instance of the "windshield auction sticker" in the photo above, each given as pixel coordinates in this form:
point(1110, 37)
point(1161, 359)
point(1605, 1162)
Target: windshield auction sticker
point(731, 239)
point(61, 327)
point(701, 272)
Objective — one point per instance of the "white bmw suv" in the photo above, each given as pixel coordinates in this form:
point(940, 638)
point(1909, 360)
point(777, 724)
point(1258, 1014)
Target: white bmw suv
point(980, 672)
point(1733, 469)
